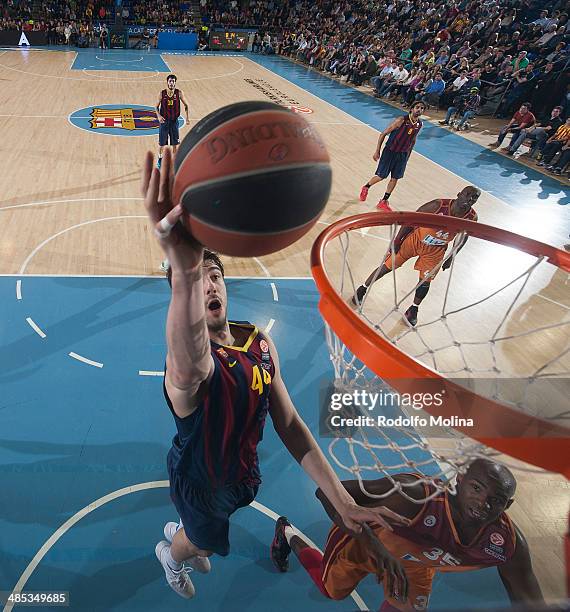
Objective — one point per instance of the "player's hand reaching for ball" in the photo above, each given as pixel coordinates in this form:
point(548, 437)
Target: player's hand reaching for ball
point(182, 250)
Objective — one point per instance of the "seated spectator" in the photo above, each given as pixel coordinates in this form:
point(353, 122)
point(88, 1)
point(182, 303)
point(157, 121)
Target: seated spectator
point(522, 119)
point(522, 85)
point(385, 72)
point(538, 134)
point(411, 87)
point(559, 166)
point(555, 143)
point(432, 91)
point(398, 76)
point(465, 105)
point(452, 90)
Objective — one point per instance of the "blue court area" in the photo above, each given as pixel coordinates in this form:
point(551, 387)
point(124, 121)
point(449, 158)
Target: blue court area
point(132, 60)
point(506, 179)
point(76, 434)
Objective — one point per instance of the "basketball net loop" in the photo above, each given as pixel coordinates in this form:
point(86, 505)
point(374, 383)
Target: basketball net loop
point(379, 354)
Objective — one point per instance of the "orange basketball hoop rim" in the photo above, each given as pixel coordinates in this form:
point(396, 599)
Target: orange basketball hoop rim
point(544, 444)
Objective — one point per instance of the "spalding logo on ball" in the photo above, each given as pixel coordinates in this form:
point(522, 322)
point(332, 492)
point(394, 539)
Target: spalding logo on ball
point(253, 178)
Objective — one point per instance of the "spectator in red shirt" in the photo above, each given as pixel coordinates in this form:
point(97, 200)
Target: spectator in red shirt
point(521, 120)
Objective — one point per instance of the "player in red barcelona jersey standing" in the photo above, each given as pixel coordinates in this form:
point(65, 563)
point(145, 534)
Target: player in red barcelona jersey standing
point(402, 134)
point(167, 112)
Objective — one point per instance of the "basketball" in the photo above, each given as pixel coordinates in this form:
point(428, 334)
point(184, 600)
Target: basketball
point(253, 178)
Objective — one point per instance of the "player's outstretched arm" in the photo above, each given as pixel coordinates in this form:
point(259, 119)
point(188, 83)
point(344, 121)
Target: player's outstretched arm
point(299, 441)
point(189, 362)
point(394, 503)
point(393, 126)
point(518, 576)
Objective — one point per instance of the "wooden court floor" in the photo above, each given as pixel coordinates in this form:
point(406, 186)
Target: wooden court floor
point(70, 204)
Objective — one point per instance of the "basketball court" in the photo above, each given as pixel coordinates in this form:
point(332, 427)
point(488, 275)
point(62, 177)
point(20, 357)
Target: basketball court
point(85, 426)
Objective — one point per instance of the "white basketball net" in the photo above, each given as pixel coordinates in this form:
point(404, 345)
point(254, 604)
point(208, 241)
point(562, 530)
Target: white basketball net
point(488, 319)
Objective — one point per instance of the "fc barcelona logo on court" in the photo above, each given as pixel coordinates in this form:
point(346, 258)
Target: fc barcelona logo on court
point(118, 120)
point(125, 118)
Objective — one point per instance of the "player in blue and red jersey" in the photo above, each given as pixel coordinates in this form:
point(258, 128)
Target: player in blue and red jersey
point(402, 134)
point(222, 380)
point(447, 533)
point(167, 112)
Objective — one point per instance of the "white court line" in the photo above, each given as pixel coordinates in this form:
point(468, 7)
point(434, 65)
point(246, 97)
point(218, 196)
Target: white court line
point(19, 289)
point(263, 268)
point(75, 54)
point(97, 364)
point(274, 289)
point(68, 229)
point(150, 373)
point(103, 59)
point(143, 486)
point(552, 301)
point(166, 63)
point(270, 325)
point(141, 81)
point(94, 70)
point(69, 201)
point(35, 327)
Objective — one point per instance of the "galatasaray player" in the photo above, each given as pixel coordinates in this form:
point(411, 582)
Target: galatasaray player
point(402, 134)
point(222, 380)
point(427, 244)
point(448, 533)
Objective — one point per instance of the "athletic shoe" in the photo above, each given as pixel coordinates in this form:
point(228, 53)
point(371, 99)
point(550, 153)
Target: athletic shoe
point(165, 266)
point(541, 163)
point(363, 194)
point(178, 580)
point(494, 145)
point(558, 171)
point(170, 529)
point(200, 564)
point(159, 163)
point(443, 122)
point(412, 315)
point(280, 549)
point(359, 295)
point(383, 206)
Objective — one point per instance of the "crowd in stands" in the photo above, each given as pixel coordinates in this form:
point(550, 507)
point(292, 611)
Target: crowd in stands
point(468, 57)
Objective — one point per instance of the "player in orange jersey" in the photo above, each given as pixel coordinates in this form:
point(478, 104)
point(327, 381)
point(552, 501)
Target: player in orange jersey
point(447, 533)
point(427, 244)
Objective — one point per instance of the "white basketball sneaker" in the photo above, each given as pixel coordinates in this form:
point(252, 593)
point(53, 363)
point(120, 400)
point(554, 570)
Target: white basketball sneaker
point(178, 580)
point(200, 564)
point(164, 265)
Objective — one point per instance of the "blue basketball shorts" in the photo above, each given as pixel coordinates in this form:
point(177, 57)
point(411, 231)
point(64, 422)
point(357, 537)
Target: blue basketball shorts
point(205, 513)
point(169, 132)
point(392, 163)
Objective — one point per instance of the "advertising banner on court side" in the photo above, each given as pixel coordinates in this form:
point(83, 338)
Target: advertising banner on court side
point(17, 38)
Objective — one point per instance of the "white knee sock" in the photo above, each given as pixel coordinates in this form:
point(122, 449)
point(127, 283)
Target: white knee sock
point(289, 533)
point(172, 564)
